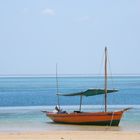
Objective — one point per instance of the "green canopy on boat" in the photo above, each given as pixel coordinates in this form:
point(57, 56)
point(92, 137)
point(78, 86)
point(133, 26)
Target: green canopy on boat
point(89, 92)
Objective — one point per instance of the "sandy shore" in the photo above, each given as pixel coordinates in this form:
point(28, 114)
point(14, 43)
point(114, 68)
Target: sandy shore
point(70, 135)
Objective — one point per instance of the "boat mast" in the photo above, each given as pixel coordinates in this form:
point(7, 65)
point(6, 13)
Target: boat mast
point(105, 79)
point(57, 90)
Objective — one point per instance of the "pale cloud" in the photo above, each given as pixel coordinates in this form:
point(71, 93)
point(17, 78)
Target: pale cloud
point(48, 12)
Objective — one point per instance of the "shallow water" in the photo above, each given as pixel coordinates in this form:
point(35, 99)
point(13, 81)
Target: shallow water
point(32, 119)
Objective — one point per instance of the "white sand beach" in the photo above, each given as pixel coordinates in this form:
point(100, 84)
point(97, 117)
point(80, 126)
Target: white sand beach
point(70, 135)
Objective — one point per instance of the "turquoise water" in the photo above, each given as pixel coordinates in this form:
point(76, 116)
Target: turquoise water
point(32, 119)
point(23, 98)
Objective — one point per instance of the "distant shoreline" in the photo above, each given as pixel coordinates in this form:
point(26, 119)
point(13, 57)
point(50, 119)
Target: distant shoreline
point(69, 75)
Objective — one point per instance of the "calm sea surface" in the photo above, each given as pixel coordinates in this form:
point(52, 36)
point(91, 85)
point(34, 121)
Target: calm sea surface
point(23, 98)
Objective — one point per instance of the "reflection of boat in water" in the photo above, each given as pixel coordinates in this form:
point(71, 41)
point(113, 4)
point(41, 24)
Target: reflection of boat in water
point(111, 118)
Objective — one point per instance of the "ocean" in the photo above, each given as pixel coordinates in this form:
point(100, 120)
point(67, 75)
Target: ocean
point(23, 98)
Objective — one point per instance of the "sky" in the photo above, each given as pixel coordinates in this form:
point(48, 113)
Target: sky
point(37, 34)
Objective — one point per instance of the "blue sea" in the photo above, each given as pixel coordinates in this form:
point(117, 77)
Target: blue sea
point(23, 98)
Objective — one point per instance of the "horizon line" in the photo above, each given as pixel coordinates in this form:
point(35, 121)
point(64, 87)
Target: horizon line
point(65, 75)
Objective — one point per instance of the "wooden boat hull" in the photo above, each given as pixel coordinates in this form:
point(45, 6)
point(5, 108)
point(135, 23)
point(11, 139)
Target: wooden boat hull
point(87, 118)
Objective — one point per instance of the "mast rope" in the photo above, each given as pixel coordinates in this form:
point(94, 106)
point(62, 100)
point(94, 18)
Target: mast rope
point(111, 76)
point(99, 76)
point(100, 68)
point(112, 118)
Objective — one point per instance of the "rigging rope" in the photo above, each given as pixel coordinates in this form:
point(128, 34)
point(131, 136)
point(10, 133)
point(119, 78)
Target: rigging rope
point(112, 119)
point(100, 78)
point(111, 77)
